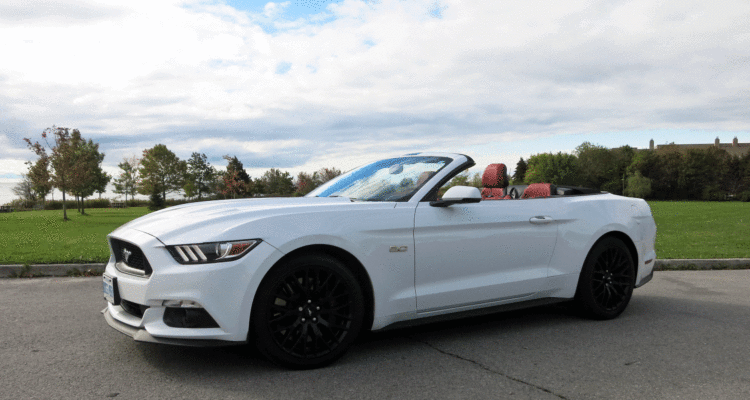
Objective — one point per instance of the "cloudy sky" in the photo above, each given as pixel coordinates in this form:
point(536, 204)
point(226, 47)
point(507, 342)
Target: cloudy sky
point(300, 85)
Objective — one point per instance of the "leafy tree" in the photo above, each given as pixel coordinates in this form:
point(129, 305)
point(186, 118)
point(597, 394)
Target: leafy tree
point(62, 158)
point(326, 174)
point(559, 169)
point(201, 176)
point(235, 180)
point(638, 186)
point(520, 173)
point(305, 183)
point(127, 182)
point(732, 183)
point(701, 173)
point(40, 177)
point(601, 168)
point(276, 182)
point(161, 171)
point(87, 173)
point(232, 184)
point(101, 180)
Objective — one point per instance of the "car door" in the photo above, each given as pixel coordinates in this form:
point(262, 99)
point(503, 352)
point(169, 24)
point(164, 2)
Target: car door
point(487, 252)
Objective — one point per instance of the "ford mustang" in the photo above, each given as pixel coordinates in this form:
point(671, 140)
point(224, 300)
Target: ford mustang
point(381, 246)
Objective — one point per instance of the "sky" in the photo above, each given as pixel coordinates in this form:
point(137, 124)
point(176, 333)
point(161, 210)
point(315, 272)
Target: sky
point(301, 85)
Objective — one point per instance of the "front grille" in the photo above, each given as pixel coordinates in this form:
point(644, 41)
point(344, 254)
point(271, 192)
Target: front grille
point(135, 257)
point(133, 308)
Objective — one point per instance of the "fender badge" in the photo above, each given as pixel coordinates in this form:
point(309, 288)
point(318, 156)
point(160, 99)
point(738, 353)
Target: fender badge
point(397, 249)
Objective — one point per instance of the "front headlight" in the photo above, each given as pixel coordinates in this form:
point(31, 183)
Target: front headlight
point(202, 253)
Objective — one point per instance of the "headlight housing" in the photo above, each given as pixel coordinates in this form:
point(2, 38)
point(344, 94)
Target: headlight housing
point(204, 253)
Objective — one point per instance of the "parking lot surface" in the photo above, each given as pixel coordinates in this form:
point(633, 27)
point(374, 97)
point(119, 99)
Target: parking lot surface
point(684, 336)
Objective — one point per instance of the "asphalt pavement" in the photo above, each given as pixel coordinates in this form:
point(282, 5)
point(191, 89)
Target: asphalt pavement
point(684, 336)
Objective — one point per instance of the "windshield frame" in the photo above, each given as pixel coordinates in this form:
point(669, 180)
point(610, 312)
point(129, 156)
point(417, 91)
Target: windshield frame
point(325, 190)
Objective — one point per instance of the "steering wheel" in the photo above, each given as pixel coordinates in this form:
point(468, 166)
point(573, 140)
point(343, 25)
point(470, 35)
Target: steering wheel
point(513, 193)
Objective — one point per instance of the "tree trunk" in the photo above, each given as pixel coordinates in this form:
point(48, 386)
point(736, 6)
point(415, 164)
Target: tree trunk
point(83, 211)
point(65, 211)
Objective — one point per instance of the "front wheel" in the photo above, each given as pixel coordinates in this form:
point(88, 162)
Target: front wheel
point(607, 280)
point(307, 312)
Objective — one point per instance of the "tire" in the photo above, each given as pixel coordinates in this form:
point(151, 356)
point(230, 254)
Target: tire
point(307, 312)
point(607, 280)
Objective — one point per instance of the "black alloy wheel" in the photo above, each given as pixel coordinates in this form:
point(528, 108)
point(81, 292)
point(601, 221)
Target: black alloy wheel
point(307, 312)
point(607, 280)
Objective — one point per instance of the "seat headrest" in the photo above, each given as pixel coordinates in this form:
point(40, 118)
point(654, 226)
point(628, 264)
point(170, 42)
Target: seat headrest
point(538, 190)
point(495, 176)
point(425, 176)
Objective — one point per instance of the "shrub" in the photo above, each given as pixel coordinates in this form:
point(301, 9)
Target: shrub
point(638, 186)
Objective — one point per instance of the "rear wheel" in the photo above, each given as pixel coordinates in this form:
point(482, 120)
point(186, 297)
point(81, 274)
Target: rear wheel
point(607, 280)
point(307, 312)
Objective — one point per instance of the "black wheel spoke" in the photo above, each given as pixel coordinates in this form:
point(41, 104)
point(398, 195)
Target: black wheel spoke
point(311, 313)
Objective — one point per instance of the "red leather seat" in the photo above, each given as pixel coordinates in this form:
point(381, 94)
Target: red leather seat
point(495, 180)
point(537, 190)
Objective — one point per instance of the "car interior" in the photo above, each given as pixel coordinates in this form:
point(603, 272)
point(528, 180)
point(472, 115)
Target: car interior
point(496, 187)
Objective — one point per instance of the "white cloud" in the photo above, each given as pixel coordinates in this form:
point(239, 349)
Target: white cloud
point(374, 78)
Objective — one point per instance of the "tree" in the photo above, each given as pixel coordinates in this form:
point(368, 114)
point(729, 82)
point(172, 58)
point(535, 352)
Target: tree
point(201, 176)
point(88, 175)
point(235, 180)
point(161, 171)
point(127, 181)
point(638, 186)
point(701, 173)
point(559, 169)
point(520, 173)
point(276, 182)
point(62, 158)
point(305, 183)
point(101, 180)
point(232, 184)
point(40, 177)
point(601, 168)
point(326, 174)
point(25, 189)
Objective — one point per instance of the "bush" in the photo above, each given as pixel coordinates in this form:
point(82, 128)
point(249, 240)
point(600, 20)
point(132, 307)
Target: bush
point(745, 196)
point(58, 205)
point(713, 193)
point(638, 186)
point(21, 205)
point(71, 204)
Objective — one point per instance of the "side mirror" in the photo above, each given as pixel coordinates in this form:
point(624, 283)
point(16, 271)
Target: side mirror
point(459, 195)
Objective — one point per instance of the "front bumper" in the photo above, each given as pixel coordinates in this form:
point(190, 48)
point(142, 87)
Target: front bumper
point(141, 335)
point(224, 290)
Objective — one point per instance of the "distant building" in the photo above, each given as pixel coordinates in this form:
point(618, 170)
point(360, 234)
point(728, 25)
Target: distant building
point(734, 149)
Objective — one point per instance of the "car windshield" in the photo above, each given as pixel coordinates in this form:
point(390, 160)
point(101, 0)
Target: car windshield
point(394, 179)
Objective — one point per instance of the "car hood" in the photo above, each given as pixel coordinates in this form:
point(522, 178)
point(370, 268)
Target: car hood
point(218, 220)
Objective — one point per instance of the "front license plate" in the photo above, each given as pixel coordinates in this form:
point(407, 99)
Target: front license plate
point(109, 285)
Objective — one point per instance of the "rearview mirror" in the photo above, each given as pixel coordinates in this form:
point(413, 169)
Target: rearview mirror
point(459, 195)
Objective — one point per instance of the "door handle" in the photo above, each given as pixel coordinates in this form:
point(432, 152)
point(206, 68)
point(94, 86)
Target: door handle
point(541, 220)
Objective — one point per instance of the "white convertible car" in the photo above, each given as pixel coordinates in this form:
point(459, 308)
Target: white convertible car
point(377, 247)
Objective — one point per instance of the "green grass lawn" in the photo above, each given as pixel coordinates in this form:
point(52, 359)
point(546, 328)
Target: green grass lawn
point(685, 230)
point(696, 229)
point(41, 237)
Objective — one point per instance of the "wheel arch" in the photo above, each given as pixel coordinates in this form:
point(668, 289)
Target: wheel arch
point(350, 261)
point(622, 236)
